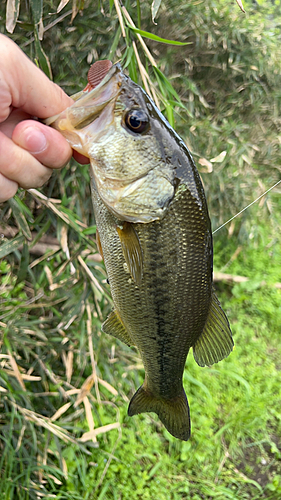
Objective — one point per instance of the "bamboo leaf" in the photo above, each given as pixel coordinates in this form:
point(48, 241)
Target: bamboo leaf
point(62, 4)
point(151, 36)
point(12, 14)
point(154, 9)
point(42, 58)
point(37, 10)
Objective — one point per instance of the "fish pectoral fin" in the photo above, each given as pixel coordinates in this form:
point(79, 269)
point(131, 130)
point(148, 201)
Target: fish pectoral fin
point(132, 251)
point(98, 242)
point(173, 413)
point(113, 326)
point(215, 342)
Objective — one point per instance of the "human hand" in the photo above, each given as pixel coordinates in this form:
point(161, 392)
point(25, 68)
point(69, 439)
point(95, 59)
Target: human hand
point(29, 150)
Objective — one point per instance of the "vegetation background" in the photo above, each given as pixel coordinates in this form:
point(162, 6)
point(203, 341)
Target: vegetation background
point(64, 386)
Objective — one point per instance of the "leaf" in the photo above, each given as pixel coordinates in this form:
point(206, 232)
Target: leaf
point(43, 59)
point(219, 158)
point(37, 10)
point(154, 9)
point(20, 218)
point(11, 246)
point(168, 85)
point(12, 14)
point(151, 36)
point(62, 4)
point(24, 262)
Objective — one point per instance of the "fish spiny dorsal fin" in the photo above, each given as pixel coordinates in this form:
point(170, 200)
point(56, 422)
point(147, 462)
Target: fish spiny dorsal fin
point(215, 342)
point(113, 326)
point(173, 413)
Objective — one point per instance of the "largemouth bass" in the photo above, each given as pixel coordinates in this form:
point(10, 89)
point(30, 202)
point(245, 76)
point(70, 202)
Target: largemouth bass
point(155, 238)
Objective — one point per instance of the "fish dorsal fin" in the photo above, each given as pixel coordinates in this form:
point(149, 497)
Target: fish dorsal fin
point(132, 251)
point(113, 326)
point(215, 342)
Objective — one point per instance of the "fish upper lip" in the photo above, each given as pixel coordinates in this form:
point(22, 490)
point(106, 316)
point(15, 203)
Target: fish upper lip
point(89, 104)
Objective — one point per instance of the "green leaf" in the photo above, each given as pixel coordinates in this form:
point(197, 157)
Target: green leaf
point(24, 262)
point(151, 36)
point(20, 218)
point(11, 245)
point(42, 58)
point(37, 10)
point(165, 80)
point(89, 230)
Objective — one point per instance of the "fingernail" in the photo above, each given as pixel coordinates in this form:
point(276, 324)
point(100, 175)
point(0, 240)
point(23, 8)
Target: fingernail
point(33, 140)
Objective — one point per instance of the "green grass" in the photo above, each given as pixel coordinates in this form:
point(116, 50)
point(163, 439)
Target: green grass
point(235, 448)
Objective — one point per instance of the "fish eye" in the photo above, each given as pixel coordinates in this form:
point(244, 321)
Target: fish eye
point(137, 121)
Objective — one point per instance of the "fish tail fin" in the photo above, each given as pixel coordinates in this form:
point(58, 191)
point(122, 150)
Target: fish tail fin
point(173, 413)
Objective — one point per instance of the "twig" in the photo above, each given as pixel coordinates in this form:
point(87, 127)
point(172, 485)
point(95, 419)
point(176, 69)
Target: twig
point(119, 14)
point(91, 350)
point(231, 278)
point(49, 26)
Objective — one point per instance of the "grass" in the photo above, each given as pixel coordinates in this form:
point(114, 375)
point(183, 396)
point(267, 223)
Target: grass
point(235, 448)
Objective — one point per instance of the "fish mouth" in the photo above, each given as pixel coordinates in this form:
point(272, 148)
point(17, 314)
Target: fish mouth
point(89, 104)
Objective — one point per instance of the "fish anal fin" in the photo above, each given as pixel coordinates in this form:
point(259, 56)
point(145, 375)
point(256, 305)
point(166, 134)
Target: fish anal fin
point(215, 343)
point(132, 251)
point(173, 413)
point(113, 326)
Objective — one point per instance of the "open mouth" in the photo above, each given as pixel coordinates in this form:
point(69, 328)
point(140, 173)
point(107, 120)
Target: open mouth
point(89, 103)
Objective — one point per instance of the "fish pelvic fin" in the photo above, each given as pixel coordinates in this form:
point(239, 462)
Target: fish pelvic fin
point(114, 326)
point(173, 413)
point(215, 343)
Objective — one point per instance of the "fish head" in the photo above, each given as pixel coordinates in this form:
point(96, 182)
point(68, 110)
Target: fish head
point(118, 127)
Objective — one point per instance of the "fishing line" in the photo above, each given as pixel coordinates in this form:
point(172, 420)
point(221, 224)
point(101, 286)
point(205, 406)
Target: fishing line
point(241, 211)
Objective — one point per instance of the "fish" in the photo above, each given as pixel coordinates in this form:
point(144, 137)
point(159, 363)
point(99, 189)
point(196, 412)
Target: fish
point(154, 234)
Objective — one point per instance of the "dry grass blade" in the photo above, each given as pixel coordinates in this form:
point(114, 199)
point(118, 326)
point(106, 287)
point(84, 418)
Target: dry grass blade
point(108, 386)
point(99, 430)
point(46, 423)
point(68, 363)
point(29, 378)
point(89, 417)
point(16, 371)
point(90, 274)
point(22, 431)
point(91, 349)
point(85, 389)
point(60, 412)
